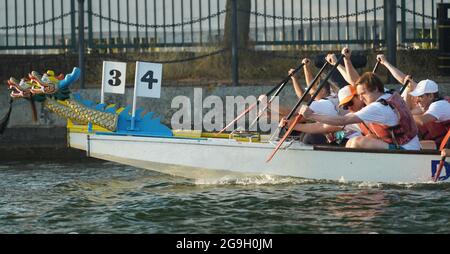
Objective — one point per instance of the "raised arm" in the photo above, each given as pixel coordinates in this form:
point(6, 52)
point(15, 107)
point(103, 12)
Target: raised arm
point(332, 59)
point(398, 75)
point(298, 89)
point(351, 71)
point(309, 77)
point(406, 96)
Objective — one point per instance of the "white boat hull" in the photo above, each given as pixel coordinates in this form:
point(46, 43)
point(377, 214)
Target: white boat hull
point(212, 158)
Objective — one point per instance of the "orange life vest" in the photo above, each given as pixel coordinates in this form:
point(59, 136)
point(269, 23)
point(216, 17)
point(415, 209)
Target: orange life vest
point(400, 134)
point(435, 130)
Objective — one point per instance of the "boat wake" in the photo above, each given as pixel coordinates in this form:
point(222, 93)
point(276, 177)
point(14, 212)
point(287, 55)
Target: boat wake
point(263, 179)
point(266, 179)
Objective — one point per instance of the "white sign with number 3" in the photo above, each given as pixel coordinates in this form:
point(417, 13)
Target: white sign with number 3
point(148, 80)
point(113, 80)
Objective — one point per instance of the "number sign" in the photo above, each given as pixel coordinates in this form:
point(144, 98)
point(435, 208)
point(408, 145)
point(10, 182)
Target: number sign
point(114, 74)
point(148, 79)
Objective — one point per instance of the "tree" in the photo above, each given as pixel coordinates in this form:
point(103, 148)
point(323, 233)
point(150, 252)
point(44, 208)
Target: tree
point(243, 20)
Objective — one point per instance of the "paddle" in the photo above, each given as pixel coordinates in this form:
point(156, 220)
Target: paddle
point(276, 88)
point(274, 96)
point(4, 121)
point(376, 66)
point(404, 86)
point(442, 161)
point(299, 117)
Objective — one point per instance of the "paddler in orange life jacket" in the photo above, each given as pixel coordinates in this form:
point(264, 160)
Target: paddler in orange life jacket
point(434, 120)
point(391, 125)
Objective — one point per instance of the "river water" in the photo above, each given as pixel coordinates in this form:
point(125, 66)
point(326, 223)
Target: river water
point(104, 197)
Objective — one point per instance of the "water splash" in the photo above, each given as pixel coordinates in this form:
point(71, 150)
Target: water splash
point(263, 179)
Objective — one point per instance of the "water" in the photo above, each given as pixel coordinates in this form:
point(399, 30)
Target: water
point(103, 197)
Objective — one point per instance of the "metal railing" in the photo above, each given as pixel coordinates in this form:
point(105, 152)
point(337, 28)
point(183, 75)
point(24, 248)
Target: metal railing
point(37, 24)
point(418, 21)
point(164, 23)
point(131, 24)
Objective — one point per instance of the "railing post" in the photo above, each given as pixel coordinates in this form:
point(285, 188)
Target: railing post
point(81, 44)
point(403, 21)
point(90, 27)
point(390, 8)
point(234, 43)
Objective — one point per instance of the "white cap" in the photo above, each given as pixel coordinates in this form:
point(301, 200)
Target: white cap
point(424, 87)
point(346, 94)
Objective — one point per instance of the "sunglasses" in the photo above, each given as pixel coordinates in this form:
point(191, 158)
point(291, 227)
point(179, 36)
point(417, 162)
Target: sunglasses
point(347, 105)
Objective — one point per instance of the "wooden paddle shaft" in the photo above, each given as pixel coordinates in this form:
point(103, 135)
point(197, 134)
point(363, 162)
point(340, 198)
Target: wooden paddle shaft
point(376, 67)
point(277, 88)
point(285, 81)
point(307, 91)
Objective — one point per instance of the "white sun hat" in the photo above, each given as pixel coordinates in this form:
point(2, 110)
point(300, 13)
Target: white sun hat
point(346, 94)
point(424, 87)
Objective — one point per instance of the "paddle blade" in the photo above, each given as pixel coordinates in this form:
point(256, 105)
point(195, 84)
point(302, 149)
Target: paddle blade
point(259, 115)
point(238, 117)
point(4, 121)
point(286, 135)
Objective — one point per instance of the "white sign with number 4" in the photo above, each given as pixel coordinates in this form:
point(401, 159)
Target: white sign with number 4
point(148, 80)
point(113, 79)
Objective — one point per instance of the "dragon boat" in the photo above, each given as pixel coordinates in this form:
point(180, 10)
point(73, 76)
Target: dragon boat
point(105, 132)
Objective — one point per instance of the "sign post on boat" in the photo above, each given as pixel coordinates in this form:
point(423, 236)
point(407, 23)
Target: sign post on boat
point(147, 83)
point(113, 78)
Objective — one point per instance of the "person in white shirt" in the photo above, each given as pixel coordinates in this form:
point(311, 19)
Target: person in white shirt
point(434, 123)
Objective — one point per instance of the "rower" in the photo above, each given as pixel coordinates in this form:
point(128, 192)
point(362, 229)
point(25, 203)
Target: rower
point(434, 123)
point(386, 115)
point(324, 103)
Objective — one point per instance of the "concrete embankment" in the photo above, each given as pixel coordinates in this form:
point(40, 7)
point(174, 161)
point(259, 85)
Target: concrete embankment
point(37, 143)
